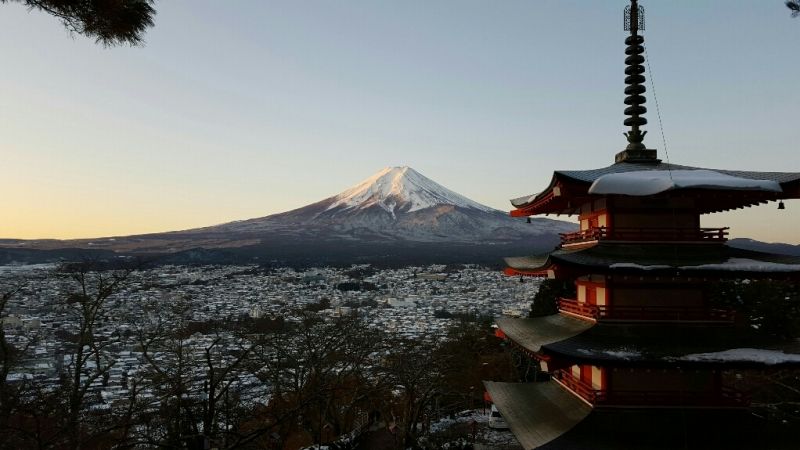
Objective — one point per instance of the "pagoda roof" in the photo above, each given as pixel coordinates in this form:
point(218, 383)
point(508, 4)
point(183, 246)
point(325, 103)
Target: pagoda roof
point(649, 345)
point(533, 333)
point(543, 416)
point(720, 261)
point(537, 413)
point(673, 345)
point(575, 184)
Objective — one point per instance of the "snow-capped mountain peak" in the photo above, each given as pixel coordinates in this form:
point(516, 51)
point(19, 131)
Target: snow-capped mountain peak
point(401, 188)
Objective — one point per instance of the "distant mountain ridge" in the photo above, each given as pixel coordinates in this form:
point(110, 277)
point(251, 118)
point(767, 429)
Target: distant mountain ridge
point(768, 247)
point(395, 211)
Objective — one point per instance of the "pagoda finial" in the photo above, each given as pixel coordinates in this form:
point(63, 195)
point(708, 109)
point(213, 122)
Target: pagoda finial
point(634, 71)
point(634, 21)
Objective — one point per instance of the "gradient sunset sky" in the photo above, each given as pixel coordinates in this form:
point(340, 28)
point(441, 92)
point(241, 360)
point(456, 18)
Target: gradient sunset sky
point(234, 110)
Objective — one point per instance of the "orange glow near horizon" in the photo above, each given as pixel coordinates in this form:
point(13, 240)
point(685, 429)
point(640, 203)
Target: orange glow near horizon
point(60, 218)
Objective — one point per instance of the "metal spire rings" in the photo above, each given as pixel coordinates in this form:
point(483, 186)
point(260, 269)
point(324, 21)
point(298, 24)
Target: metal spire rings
point(634, 70)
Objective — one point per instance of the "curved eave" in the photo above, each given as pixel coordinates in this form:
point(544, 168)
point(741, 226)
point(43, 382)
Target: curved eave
point(537, 413)
point(573, 187)
point(674, 346)
point(532, 334)
point(545, 416)
point(526, 200)
point(512, 272)
point(791, 189)
point(564, 195)
point(531, 266)
point(663, 429)
point(719, 262)
point(711, 201)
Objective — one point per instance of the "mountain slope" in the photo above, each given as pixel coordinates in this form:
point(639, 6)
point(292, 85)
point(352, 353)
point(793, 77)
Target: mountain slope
point(768, 247)
point(401, 188)
point(399, 203)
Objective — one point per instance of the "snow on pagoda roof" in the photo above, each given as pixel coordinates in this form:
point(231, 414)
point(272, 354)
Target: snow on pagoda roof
point(756, 355)
point(748, 265)
point(732, 264)
point(592, 175)
point(625, 258)
point(664, 345)
point(651, 182)
point(638, 266)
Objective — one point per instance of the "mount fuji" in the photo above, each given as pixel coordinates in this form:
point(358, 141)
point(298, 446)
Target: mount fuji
point(400, 204)
point(397, 213)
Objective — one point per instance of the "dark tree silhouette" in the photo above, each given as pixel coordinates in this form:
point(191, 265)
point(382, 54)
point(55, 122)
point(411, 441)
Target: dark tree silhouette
point(545, 302)
point(109, 22)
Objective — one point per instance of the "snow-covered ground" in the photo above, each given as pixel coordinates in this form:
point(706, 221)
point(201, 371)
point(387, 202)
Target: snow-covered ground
point(477, 422)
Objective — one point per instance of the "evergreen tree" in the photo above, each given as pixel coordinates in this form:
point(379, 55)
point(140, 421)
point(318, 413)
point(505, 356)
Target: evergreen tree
point(109, 22)
point(545, 302)
point(794, 6)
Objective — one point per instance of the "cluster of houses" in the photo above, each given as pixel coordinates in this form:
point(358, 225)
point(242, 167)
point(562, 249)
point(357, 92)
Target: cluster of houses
point(413, 302)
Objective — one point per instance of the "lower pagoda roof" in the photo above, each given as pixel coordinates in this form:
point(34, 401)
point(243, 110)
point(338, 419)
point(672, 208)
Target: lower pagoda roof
point(531, 334)
point(676, 346)
point(537, 413)
point(719, 261)
point(649, 345)
point(545, 416)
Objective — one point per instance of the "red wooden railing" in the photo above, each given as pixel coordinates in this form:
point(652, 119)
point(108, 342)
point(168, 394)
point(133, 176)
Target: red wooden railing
point(592, 234)
point(646, 234)
point(582, 388)
point(725, 397)
point(646, 312)
point(579, 308)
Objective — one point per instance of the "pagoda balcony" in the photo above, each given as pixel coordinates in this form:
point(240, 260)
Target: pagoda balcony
point(646, 312)
point(714, 235)
point(579, 308)
point(580, 387)
point(725, 397)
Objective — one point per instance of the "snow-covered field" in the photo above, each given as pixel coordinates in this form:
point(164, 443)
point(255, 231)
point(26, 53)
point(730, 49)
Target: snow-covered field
point(475, 424)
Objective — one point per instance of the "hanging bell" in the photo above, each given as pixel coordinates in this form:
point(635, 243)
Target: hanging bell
point(781, 205)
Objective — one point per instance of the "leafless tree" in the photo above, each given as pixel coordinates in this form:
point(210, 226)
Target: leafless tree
point(8, 354)
point(8, 359)
point(196, 378)
point(44, 416)
point(323, 375)
point(88, 356)
point(417, 371)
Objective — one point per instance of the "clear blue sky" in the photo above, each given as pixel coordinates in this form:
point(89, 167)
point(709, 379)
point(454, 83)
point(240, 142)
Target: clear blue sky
point(240, 109)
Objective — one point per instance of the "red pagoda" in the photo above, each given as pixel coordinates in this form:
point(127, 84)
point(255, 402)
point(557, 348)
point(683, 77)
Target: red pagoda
point(639, 358)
